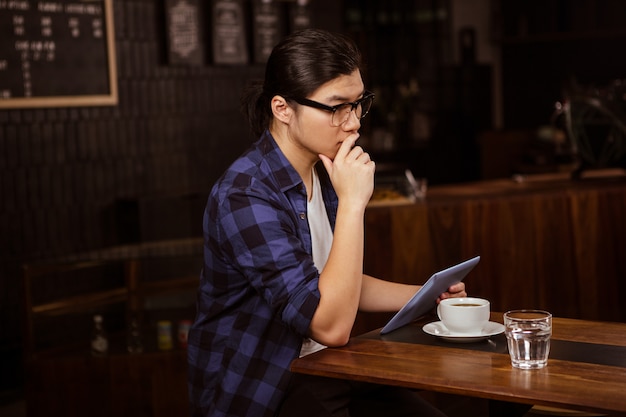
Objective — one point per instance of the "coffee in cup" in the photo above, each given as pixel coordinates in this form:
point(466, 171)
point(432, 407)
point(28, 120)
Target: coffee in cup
point(467, 315)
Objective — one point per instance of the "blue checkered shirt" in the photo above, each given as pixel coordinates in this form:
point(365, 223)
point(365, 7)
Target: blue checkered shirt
point(259, 287)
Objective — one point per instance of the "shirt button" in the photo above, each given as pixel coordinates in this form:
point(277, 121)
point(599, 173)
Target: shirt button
point(302, 216)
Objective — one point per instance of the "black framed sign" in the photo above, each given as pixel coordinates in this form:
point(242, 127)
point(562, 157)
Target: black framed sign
point(228, 32)
point(57, 53)
point(184, 32)
point(267, 26)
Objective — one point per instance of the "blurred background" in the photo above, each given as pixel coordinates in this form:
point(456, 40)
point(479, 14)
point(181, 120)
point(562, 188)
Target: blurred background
point(466, 90)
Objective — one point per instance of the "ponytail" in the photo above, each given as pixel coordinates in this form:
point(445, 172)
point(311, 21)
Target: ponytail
point(255, 107)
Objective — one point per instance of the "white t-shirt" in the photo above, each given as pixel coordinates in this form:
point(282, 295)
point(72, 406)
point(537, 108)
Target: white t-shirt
point(322, 240)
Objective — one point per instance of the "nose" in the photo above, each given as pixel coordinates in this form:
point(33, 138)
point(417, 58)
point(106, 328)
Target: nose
point(353, 122)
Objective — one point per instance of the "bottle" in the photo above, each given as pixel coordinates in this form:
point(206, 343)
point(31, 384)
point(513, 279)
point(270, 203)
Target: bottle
point(99, 340)
point(133, 342)
point(183, 332)
point(164, 335)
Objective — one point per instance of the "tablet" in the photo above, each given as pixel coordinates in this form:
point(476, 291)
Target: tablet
point(426, 298)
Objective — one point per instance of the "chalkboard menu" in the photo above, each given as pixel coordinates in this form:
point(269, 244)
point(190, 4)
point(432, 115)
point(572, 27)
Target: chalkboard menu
point(57, 53)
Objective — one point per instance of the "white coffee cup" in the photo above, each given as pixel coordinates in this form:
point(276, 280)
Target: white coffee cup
point(467, 315)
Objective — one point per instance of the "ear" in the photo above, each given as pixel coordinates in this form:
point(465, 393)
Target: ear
point(281, 109)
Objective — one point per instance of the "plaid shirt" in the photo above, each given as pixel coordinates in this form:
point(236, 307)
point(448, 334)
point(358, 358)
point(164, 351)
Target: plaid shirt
point(259, 288)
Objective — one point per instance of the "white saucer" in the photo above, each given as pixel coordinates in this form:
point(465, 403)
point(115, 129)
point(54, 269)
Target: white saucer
point(437, 328)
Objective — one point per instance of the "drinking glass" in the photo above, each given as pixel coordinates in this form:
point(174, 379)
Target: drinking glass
point(528, 335)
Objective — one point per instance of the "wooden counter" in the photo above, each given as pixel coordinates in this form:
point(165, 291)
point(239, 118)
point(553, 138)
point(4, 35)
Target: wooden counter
point(545, 242)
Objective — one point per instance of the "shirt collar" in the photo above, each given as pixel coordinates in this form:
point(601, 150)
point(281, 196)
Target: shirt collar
point(285, 174)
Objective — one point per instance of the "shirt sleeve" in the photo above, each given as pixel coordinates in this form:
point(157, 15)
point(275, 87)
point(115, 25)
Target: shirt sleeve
point(261, 234)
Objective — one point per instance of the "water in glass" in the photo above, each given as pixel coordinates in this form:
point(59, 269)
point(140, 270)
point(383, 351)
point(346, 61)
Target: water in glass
point(529, 346)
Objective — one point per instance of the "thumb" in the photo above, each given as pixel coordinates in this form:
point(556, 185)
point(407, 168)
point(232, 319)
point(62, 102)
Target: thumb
point(328, 163)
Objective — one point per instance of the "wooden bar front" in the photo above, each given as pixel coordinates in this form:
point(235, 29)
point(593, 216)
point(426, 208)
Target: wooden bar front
point(545, 242)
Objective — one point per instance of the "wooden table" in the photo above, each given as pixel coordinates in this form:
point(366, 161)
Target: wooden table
point(586, 369)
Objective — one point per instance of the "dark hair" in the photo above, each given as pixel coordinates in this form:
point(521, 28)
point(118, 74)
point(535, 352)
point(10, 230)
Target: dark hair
point(298, 66)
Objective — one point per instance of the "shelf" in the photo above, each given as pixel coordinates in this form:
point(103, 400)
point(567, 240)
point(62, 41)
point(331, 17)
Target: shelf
point(81, 302)
point(164, 286)
point(117, 281)
point(572, 36)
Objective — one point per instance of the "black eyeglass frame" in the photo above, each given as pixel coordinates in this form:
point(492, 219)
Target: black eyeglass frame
point(367, 95)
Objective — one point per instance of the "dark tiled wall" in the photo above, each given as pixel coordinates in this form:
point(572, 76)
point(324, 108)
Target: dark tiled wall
point(62, 170)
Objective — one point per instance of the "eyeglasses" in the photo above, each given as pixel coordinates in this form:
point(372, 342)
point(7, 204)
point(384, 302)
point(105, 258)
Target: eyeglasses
point(341, 112)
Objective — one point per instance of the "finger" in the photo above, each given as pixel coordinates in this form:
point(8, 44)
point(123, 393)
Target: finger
point(364, 157)
point(328, 163)
point(346, 146)
point(457, 294)
point(356, 153)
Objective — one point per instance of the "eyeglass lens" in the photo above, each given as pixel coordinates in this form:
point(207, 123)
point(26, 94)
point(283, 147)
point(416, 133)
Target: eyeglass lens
point(360, 107)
